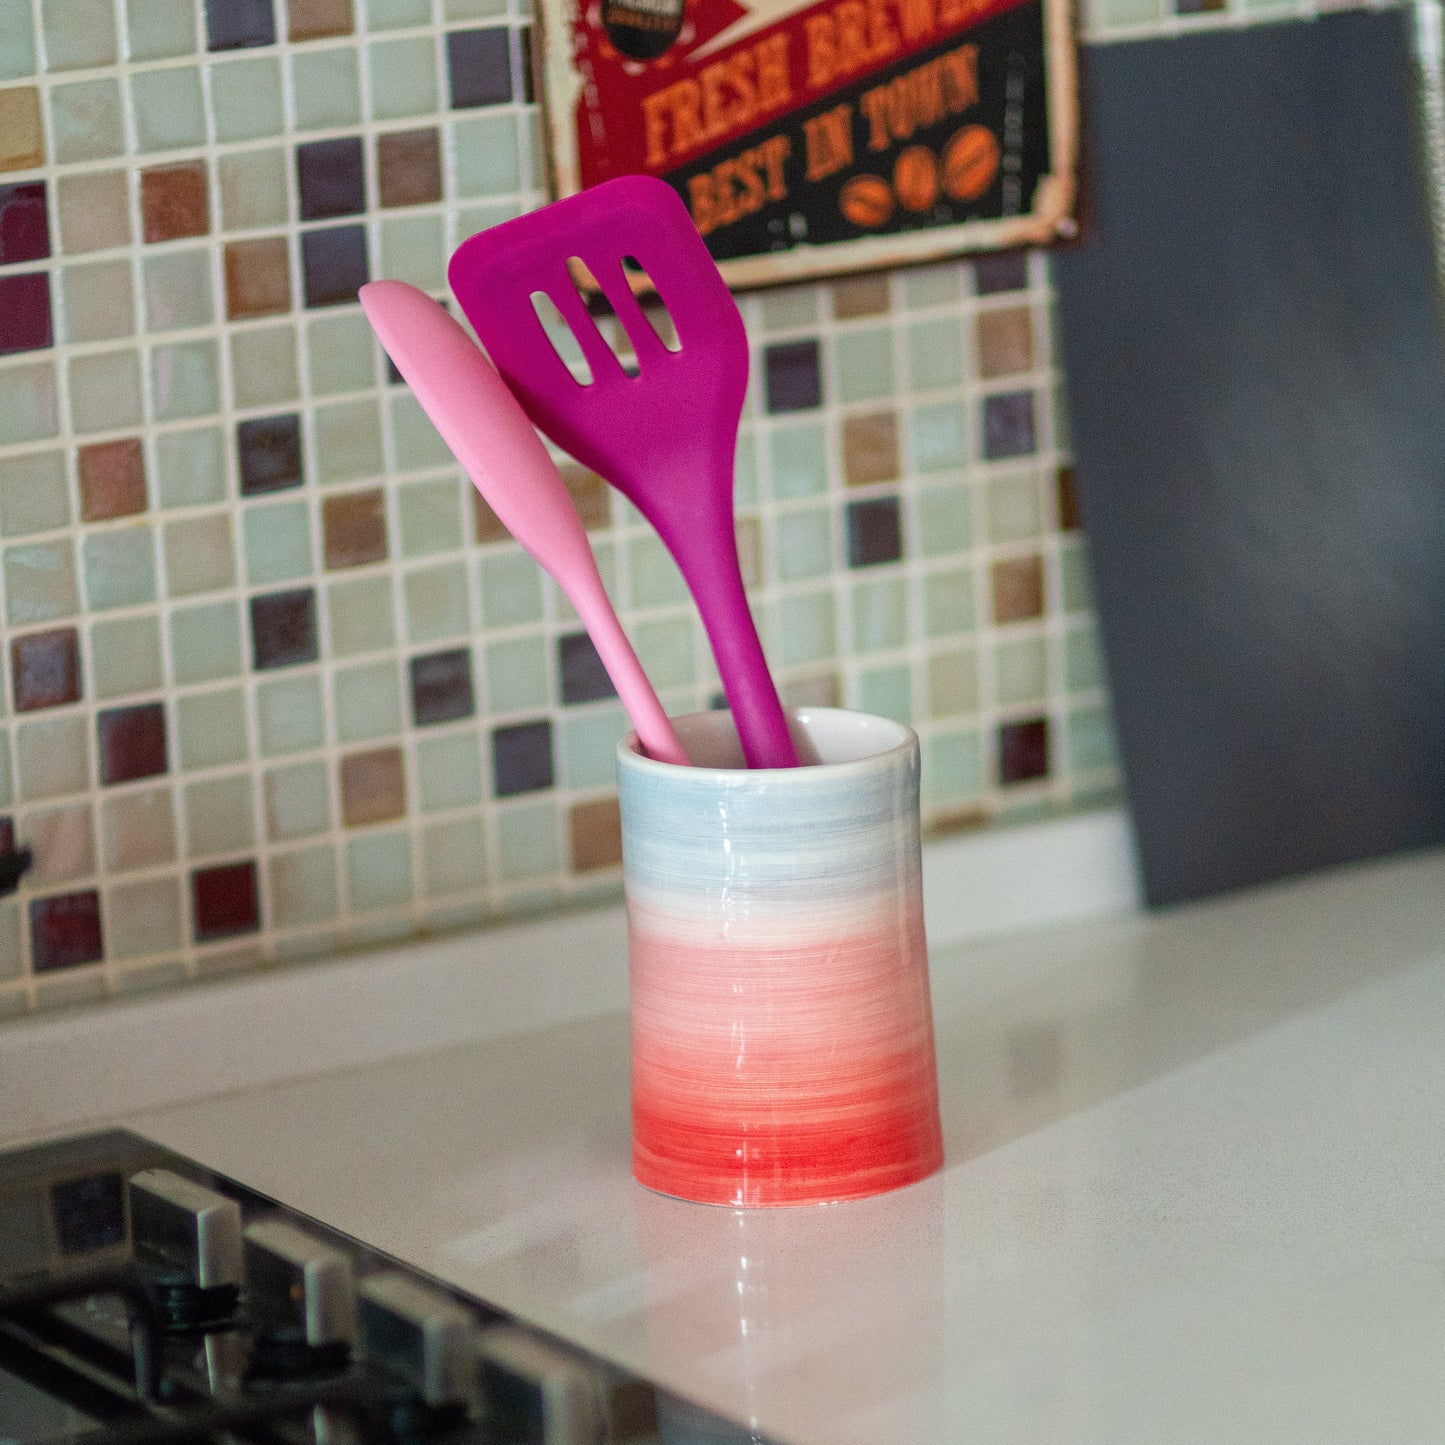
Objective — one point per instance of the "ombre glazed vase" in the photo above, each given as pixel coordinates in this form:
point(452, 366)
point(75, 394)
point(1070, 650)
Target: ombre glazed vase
point(782, 1033)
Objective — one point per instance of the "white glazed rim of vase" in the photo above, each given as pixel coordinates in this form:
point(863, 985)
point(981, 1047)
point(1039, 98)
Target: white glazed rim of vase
point(840, 740)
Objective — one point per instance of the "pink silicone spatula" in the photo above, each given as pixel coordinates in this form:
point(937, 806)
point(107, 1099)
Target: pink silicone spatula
point(666, 437)
point(489, 434)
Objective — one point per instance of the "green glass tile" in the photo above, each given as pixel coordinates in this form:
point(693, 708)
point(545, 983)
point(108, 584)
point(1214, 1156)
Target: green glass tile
point(298, 800)
point(177, 288)
point(436, 602)
point(78, 33)
point(125, 655)
point(804, 544)
point(403, 77)
point(887, 692)
point(40, 583)
point(488, 155)
point(277, 542)
point(185, 380)
point(938, 437)
point(473, 9)
point(653, 578)
point(348, 441)
point(152, 976)
point(864, 364)
point(799, 456)
point(935, 354)
point(246, 98)
point(1058, 414)
point(190, 467)
point(104, 391)
point(536, 150)
point(86, 120)
point(326, 88)
point(362, 619)
point(926, 286)
point(1078, 589)
point(143, 918)
point(453, 856)
point(33, 494)
point(804, 629)
point(168, 110)
point(953, 682)
point(789, 307)
point(948, 602)
point(120, 568)
point(29, 403)
point(212, 728)
point(263, 366)
point(99, 301)
point(449, 771)
point(414, 249)
point(1102, 16)
point(303, 887)
point(17, 40)
point(952, 767)
point(880, 614)
point(482, 218)
point(1015, 509)
point(1083, 662)
point(12, 957)
point(666, 649)
point(393, 14)
point(431, 516)
point(527, 842)
point(745, 470)
point(589, 747)
point(220, 816)
point(378, 871)
point(368, 701)
point(341, 354)
point(206, 642)
point(156, 29)
point(1021, 670)
point(253, 189)
point(198, 554)
point(290, 715)
point(6, 791)
point(53, 757)
point(519, 672)
point(511, 588)
point(945, 519)
point(416, 444)
point(1091, 739)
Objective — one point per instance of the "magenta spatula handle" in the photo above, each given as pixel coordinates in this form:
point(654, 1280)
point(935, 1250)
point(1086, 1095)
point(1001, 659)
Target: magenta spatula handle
point(666, 437)
point(489, 434)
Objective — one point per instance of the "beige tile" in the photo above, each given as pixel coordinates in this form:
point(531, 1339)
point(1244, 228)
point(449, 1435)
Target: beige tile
point(54, 757)
point(99, 301)
point(94, 211)
point(22, 136)
point(595, 831)
point(138, 829)
point(199, 555)
point(870, 449)
point(953, 683)
point(63, 843)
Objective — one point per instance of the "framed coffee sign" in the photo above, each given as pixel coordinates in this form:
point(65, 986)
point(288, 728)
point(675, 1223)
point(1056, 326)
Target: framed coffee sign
point(815, 138)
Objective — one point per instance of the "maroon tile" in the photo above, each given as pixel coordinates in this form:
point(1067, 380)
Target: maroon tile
point(24, 226)
point(173, 201)
point(45, 669)
point(112, 479)
point(224, 901)
point(132, 742)
point(283, 628)
point(1023, 750)
point(25, 312)
point(65, 930)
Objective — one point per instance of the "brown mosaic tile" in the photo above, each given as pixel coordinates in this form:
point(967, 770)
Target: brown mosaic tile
point(870, 449)
point(112, 479)
point(94, 212)
point(1068, 501)
point(63, 845)
point(860, 296)
point(749, 534)
point(487, 525)
point(45, 669)
point(1005, 341)
point(258, 277)
point(138, 829)
point(313, 19)
point(595, 830)
point(1018, 589)
point(409, 167)
point(173, 201)
point(373, 787)
point(354, 528)
point(22, 135)
point(590, 495)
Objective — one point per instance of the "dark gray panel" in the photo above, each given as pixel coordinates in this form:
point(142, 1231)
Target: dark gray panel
point(1253, 346)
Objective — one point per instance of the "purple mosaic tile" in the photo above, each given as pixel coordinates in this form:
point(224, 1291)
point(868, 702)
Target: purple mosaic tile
point(875, 534)
point(1008, 425)
point(25, 312)
point(583, 676)
point(522, 758)
point(24, 226)
point(45, 669)
point(331, 178)
point(283, 628)
point(479, 67)
point(268, 449)
point(237, 24)
point(794, 376)
point(65, 931)
point(334, 264)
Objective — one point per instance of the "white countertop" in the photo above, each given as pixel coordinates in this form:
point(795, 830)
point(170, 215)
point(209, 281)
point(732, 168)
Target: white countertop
point(1195, 1191)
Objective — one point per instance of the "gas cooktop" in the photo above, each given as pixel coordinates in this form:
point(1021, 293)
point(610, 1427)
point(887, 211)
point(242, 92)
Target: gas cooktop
point(144, 1298)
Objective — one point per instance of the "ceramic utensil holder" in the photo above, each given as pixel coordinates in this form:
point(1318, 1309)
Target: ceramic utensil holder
point(782, 1033)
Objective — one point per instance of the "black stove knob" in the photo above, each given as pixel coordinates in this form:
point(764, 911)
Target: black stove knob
point(535, 1393)
point(187, 1238)
point(301, 1301)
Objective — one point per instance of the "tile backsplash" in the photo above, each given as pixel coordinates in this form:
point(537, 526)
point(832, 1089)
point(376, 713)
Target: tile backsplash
point(277, 682)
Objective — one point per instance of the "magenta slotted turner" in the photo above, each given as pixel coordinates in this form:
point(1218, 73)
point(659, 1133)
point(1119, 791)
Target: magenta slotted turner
point(666, 437)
